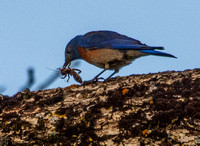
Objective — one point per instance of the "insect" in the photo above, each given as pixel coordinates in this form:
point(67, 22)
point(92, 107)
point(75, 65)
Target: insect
point(68, 71)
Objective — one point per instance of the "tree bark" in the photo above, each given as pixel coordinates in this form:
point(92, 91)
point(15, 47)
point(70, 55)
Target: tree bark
point(153, 109)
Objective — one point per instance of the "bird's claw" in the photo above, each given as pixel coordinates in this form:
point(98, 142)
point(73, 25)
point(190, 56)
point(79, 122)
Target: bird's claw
point(93, 81)
point(97, 79)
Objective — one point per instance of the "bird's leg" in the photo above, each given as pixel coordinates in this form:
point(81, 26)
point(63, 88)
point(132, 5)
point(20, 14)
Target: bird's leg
point(116, 71)
point(95, 79)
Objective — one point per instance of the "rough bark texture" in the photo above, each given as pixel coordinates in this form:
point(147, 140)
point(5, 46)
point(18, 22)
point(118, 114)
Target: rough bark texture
point(158, 109)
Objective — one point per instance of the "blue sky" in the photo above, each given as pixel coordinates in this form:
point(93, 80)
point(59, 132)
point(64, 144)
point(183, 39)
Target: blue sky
point(35, 33)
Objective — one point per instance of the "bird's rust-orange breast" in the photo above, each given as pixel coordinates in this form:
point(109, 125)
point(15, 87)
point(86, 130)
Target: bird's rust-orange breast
point(102, 55)
point(85, 53)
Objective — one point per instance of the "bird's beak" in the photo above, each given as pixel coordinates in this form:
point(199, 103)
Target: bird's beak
point(67, 62)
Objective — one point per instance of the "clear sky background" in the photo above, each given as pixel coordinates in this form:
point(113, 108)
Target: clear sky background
point(35, 33)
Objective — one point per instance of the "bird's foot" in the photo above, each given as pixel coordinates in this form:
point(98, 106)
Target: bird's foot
point(93, 81)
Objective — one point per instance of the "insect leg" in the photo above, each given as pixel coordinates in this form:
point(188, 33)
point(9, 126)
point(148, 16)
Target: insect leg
point(68, 77)
point(79, 71)
point(63, 77)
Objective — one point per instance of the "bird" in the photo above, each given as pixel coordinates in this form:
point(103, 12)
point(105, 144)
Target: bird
point(108, 50)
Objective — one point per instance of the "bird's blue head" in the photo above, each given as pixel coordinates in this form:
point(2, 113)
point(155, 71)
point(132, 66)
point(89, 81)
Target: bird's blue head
point(71, 50)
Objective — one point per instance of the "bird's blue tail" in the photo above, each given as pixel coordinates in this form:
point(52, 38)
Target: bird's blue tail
point(157, 53)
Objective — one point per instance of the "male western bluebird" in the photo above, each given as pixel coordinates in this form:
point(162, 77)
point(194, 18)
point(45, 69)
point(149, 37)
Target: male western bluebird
point(108, 50)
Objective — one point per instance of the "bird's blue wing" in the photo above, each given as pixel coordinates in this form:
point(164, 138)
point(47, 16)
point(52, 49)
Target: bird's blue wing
point(113, 40)
point(106, 39)
point(157, 53)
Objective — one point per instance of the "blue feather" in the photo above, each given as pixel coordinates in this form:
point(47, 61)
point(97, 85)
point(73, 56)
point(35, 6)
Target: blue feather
point(153, 52)
point(134, 47)
point(113, 40)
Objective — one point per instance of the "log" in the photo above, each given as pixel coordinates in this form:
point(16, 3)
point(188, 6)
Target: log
point(149, 109)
